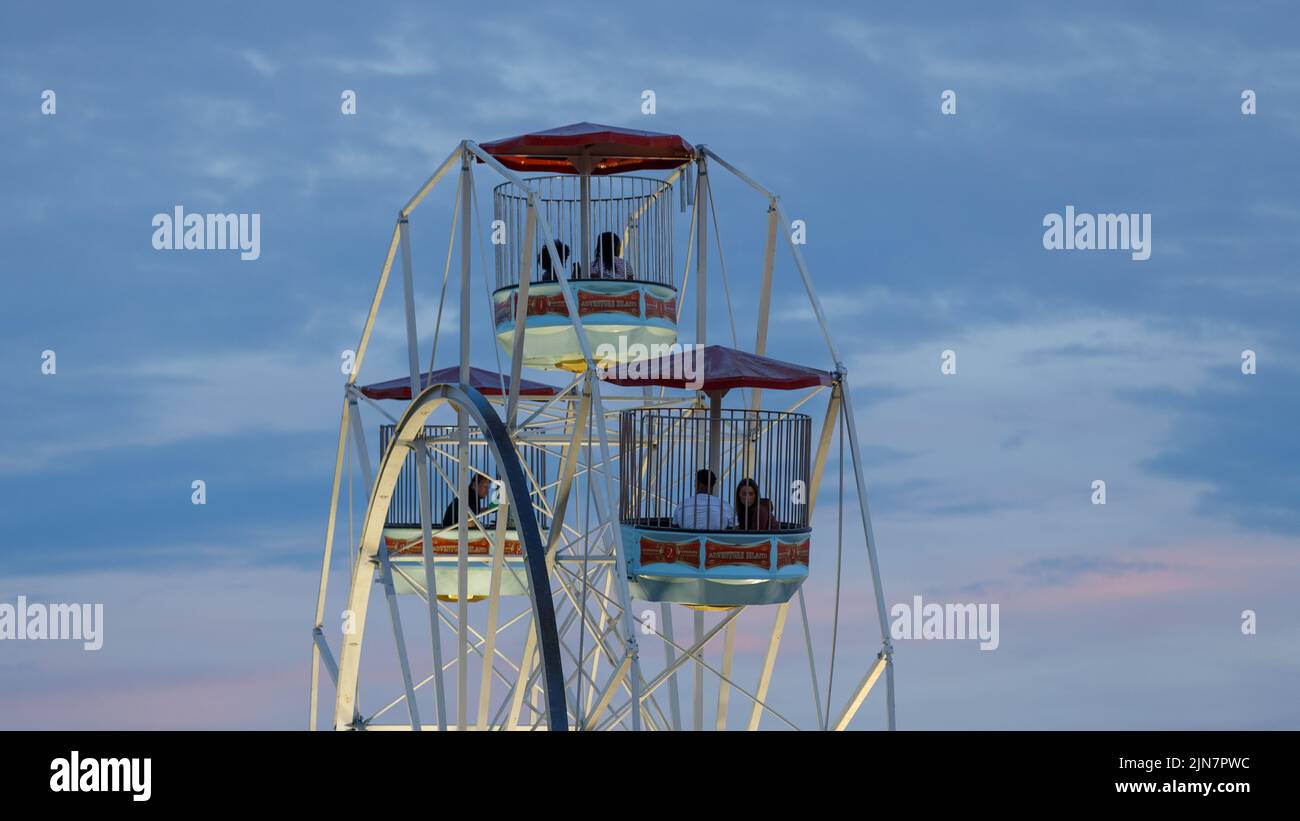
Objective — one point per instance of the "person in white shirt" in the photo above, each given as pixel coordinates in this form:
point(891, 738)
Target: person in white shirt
point(607, 263)
point(704, 511)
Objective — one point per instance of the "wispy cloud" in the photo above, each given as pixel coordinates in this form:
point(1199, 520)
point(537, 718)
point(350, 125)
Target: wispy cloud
point(259, 62)
point(1067, 569)
point(401, 53)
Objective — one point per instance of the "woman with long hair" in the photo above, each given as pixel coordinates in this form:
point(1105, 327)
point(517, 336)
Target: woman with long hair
point(608, 262)
point(752, 511)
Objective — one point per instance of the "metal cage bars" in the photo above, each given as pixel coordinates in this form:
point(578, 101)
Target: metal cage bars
point(661, 450)
point(636, 209)
point(404, 510)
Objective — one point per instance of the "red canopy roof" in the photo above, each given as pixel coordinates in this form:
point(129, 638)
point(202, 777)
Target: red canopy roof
point(722, 369)
point(613, 149)
point(486, 382)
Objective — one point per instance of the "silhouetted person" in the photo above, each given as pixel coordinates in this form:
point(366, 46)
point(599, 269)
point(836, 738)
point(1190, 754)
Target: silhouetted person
point(608, 262)
point(477, 496)
point(544, 259)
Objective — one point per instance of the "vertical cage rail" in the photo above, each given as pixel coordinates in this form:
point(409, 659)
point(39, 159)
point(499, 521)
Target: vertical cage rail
point(638, 210)
point(404, 511)
point(659, 458)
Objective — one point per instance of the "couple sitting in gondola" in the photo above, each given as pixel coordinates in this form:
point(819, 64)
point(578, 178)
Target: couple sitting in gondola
point(705, 511)
point(606, 264)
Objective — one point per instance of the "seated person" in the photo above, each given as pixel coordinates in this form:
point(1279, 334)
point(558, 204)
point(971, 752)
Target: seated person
point(752, 512)
point(544, 259)
point(704, 511)
point(477, 495)
point(608, 262)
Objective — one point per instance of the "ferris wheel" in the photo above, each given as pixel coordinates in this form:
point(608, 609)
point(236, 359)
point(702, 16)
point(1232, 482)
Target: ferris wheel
point(534, 539)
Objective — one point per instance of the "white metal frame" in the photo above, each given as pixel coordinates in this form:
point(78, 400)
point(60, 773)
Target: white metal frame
point(600, 574)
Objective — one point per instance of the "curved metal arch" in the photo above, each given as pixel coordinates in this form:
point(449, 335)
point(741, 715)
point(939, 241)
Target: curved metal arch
point(494, 432)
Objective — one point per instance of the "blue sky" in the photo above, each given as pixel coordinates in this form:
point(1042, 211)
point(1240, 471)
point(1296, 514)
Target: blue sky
point(924, 234)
